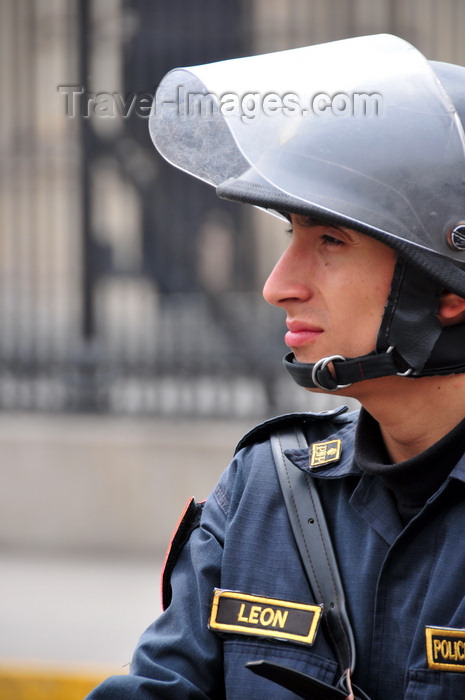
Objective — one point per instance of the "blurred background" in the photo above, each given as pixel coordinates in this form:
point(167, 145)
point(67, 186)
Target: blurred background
point(135, 347)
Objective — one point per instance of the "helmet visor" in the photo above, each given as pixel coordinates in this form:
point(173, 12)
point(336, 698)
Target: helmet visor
point(361, 128)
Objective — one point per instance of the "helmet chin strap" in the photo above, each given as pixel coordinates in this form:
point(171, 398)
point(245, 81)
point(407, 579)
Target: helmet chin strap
point(408, 333)
point(337, 372)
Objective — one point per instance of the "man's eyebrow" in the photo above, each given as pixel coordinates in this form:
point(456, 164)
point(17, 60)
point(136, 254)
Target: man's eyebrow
point(308, 221)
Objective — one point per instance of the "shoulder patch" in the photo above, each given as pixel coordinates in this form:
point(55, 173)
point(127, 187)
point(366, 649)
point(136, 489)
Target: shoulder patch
point(188, 522)
point(263, 431)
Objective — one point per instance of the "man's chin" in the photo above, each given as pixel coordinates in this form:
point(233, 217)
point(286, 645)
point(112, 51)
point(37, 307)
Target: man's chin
point(305, 358)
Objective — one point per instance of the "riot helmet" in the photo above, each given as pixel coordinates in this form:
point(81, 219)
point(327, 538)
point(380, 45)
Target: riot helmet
point(364, 133)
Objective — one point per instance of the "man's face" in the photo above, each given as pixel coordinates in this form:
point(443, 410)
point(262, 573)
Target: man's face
point(333, 284)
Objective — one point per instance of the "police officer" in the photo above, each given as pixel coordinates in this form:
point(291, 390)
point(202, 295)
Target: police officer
point(359, 145)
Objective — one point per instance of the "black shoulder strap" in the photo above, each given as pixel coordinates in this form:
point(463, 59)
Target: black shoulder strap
point(315, 546)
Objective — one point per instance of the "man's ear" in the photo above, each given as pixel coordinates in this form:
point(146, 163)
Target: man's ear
point(451, 309)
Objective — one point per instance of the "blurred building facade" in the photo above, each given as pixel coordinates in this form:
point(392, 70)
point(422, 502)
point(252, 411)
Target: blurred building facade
point(125, 286)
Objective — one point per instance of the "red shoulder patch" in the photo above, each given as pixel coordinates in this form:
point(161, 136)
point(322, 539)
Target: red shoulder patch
point(188, 522)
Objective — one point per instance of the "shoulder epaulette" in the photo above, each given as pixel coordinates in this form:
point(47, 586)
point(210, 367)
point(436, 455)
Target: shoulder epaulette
point(263, 431)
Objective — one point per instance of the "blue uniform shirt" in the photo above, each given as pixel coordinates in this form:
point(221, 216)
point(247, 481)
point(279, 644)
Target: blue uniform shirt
point(404, 586)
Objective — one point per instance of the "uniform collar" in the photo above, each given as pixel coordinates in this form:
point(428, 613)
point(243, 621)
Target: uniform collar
point(344, 466)
point(458, 472)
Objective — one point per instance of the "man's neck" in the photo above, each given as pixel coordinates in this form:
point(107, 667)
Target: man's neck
point(413, 414)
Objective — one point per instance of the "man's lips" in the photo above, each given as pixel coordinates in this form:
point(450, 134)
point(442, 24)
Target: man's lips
point(300, 334)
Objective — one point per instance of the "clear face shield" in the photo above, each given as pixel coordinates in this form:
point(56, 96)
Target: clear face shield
point(360, 128)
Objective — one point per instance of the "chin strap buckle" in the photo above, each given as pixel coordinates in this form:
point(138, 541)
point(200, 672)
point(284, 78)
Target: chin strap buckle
point(399, 374)
point(322, 365)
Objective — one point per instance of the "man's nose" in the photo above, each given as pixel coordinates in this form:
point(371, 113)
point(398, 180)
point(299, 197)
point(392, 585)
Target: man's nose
point(288, 280)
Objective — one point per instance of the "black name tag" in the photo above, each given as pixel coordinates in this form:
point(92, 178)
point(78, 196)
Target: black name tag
point(241, 613)
point(445, 648)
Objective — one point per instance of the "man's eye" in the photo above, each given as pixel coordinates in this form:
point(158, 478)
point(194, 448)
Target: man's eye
point(331, 240)
point(289, 232)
